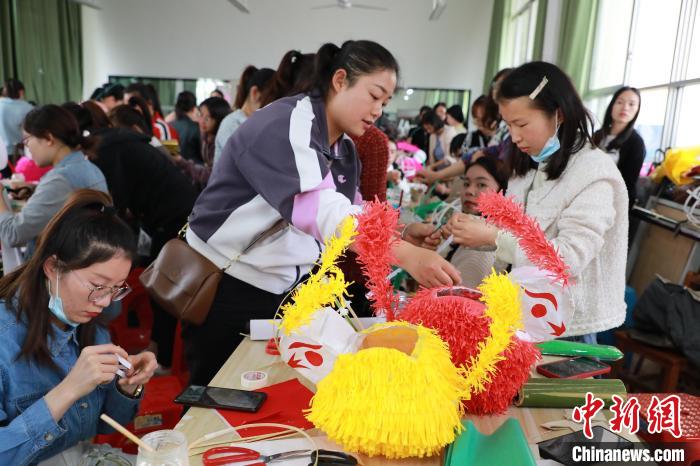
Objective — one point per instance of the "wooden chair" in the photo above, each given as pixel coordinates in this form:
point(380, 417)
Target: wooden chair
point(671, 363)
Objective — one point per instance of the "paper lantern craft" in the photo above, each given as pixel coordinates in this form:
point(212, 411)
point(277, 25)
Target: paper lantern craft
point(398, 396)
point(467, 326)
point(313, 348)
point(547, 300)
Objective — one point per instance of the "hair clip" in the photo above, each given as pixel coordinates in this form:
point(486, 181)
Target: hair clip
point(539, 88)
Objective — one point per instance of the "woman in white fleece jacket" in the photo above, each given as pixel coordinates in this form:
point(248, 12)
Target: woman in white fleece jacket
point(570, 187)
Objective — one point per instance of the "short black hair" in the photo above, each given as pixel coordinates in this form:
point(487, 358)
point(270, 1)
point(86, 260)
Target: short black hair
point(439, 104)
point(457, 143)
point(456, 112)
point(495, 167)
point(12, 88)
point(431, 118)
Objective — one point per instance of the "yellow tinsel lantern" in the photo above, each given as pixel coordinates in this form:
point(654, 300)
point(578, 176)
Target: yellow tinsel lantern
point(397, 397)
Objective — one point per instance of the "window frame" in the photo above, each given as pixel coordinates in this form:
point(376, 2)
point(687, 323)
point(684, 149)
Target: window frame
point(689, 9)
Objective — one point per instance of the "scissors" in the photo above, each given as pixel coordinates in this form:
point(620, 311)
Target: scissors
point(227, 455)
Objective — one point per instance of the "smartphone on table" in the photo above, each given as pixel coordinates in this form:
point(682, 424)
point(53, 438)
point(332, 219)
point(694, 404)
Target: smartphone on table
point(221, 398)
point(561, 449)
point(573, 368)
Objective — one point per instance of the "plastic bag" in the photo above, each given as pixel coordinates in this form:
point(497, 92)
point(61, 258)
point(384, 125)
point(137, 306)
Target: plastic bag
point(676, 162)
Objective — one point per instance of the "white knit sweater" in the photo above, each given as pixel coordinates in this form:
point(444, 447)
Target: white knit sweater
point(584, 214)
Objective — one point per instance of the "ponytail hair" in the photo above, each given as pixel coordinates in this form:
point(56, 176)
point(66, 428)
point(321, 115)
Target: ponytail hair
point(241, 93)
point(84, 232)
point(356, 57)
point(260, 78)
point(58, 122)
point(294, 75)
point(90, 118)
point(124, 116)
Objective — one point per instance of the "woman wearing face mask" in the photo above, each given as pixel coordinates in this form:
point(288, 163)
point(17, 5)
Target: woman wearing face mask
point(59, 369)
point(618, 137)
point(294, 161)
point(484, 174)
point(251, 85)
point(53, 137)
point(571, 188)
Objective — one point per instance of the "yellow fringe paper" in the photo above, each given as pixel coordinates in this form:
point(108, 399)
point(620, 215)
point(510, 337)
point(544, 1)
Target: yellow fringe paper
point(324, 287)
point(381, 401)
point(502, 299)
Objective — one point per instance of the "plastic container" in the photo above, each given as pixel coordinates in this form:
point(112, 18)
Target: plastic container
point(170, 446)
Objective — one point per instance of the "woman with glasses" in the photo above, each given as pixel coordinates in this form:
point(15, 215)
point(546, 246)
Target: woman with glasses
point(150, 193)
point(58, 369)
point(52, 136)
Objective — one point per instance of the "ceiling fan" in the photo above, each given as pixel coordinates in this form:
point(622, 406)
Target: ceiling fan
point(347, 4)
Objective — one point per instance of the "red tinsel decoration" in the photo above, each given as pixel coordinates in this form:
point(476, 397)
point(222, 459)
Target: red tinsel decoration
point(460, 321)
point(507, 214)
point(376, 234)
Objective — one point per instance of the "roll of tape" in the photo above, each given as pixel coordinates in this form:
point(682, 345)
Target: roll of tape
point(252, 380)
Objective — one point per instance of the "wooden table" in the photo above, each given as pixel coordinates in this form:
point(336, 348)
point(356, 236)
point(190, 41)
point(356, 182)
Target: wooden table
point(251, 355)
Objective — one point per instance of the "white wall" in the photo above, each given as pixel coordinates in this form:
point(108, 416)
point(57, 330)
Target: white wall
point(212, 39)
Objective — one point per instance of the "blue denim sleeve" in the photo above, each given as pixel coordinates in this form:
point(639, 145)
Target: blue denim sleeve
point(28, 434)
point(119, 407)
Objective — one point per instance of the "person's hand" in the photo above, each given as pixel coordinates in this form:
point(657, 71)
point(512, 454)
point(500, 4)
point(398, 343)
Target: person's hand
point(442, 188)
point(426, 175)
point(429, 269)
point(416, 233)
point(433, 240)
point(471, 232)
point(477, 155)
point(143, 366)
point(96, 365)
point(394, 176)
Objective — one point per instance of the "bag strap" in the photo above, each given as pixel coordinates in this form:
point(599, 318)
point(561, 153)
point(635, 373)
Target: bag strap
point(277, 226)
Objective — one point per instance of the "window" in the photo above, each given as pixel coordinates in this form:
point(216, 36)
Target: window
point(651, 51)
point(654, 46)
point(694, 63)
point(688, 117)
point(520, 32)
point(611, 39)
point(650, 122)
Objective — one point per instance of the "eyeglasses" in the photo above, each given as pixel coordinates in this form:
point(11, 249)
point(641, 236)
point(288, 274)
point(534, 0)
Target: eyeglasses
point(100, 292)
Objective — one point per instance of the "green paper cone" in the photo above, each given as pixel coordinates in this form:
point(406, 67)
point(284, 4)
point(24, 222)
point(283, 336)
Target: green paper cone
point(572, 348)
point(567, 393)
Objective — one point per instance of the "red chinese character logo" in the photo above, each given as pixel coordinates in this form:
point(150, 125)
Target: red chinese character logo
point(626, 414)
point(587, 412)
point(665, 415)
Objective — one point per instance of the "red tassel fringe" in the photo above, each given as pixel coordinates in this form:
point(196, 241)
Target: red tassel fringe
point(507, 214)
point(376, 235)
point(461, 323)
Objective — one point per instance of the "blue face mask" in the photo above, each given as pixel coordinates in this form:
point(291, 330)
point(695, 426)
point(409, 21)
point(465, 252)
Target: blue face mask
point(56, 305)
point(550, 147)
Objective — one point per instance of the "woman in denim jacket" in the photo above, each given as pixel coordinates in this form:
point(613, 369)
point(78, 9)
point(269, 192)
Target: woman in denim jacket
point(58, 369)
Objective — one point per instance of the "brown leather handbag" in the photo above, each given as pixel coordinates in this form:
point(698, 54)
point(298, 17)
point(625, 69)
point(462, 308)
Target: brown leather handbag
point(183, 282)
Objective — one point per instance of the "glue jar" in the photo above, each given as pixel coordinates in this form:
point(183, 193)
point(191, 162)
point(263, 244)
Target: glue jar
point(170, 449)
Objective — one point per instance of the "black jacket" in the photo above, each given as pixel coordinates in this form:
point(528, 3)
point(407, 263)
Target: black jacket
point(632, 153)
point(143, 181)
point(190, 139)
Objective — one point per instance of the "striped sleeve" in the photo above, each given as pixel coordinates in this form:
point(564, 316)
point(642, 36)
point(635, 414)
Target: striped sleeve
point(287, 167)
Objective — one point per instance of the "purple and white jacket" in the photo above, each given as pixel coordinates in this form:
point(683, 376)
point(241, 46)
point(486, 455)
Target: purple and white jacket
point(276, 165)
